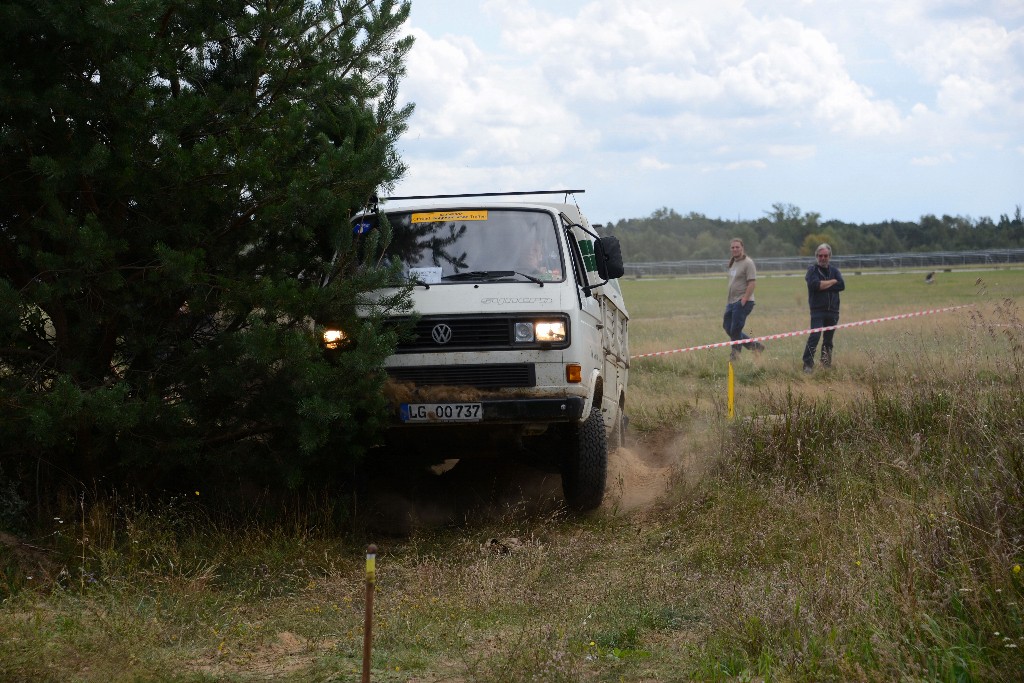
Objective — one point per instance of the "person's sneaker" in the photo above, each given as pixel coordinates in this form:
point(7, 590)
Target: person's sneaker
point(826, 359)
point(734, 354)
point(808, 368)
point(758, 348)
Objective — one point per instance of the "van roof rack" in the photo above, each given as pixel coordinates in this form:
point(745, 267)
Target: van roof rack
point(483, 194)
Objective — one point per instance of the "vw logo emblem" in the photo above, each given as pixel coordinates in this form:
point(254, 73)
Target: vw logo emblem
point(441, 334)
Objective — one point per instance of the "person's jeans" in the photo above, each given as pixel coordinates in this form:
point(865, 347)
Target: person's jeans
point(733, 321)
point(820, 319)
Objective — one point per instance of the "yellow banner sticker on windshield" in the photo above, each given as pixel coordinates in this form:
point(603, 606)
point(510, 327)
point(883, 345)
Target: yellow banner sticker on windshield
point(443, 216)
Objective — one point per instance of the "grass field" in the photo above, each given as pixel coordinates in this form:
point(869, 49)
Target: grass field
point(682, 313)
point(687, 312)
point(860, 524)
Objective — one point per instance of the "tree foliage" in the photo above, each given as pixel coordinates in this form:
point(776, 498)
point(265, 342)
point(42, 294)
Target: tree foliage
point(785, 230)
point(177, 183)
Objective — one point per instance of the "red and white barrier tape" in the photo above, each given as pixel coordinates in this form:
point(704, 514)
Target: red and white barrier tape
point(783, 335)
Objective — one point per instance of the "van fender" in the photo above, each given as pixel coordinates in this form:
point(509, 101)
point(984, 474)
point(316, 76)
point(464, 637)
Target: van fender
point(592, 397)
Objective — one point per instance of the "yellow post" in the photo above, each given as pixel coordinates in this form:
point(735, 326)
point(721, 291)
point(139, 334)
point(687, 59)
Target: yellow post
point(371, 581)
point(732, 392)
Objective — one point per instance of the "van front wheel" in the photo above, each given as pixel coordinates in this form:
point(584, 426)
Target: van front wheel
point(585, 463)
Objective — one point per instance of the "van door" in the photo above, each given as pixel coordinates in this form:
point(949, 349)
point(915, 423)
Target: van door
point(614, 361)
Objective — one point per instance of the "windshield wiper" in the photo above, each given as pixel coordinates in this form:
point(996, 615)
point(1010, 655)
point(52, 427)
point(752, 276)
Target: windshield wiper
point(531, 278)
point(480, 275)
point(491, 275)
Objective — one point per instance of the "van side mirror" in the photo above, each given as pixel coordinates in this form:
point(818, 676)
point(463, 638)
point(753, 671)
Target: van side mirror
point(609, 258)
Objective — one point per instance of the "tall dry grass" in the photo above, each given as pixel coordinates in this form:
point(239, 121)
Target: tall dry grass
point(914, 497)
point(864, 524)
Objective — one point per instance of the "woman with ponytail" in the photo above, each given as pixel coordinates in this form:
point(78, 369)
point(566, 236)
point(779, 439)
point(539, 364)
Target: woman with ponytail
point(742, 281)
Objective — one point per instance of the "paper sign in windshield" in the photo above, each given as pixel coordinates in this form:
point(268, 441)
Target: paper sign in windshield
point(445, 216)
point(428, 276)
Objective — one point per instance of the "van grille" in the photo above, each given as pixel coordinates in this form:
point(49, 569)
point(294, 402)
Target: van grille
point(465, 333)
point(494, 376)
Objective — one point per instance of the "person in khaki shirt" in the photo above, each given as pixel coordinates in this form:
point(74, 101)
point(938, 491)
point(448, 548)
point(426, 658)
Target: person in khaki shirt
point(742, 281)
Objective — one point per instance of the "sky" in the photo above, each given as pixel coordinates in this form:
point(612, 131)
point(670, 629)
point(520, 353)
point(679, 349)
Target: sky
point(859, 110)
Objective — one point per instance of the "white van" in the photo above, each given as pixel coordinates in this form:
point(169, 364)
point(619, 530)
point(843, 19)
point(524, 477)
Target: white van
point(519, 344)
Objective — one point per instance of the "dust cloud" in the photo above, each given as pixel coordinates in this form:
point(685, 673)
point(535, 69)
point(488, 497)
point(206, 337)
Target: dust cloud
point(643, 473)
point(493, 489)
point(633, 481)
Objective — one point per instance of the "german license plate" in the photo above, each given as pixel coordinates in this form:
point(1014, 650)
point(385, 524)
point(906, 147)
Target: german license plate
point(441, 412)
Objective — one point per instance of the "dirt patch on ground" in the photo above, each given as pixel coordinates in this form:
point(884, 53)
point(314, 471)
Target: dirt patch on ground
point(478, 490)
point(640, 474)
point(282, 656)
point(34, 562)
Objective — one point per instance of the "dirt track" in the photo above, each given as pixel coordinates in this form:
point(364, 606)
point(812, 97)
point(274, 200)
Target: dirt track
point(638, 476)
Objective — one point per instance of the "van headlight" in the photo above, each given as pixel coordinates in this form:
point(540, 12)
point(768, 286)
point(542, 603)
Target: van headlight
point(540, 332)
point(550, 332)
point(334, 338)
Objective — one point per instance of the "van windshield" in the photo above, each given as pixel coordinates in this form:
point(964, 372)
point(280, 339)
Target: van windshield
point(435, 245)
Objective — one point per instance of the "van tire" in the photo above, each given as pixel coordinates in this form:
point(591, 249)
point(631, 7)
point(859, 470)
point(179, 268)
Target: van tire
point(585, 464)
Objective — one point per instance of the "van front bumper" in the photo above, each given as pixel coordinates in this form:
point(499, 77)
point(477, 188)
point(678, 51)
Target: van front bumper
point(497, 411)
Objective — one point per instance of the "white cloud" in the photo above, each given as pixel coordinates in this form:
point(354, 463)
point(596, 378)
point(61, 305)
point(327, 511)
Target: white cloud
point(675, 57)
point(652, 164)
point(490, 114)
point(741, 165)
point(963, 97)
point(795, 152)
point(975, 66)
point(978, 47)
point(529, 94)
point(936, 160)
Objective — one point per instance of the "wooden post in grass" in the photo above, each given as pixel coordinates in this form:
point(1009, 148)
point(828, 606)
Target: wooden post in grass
point(371, 581)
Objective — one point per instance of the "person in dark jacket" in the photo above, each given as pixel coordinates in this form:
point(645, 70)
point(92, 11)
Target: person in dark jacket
point(824, 282)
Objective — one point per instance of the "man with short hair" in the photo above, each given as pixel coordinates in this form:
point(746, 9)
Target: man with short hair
point(824, 282)
point(742, 280)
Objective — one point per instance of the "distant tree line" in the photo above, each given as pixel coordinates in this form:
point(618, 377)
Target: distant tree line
point(666, 235)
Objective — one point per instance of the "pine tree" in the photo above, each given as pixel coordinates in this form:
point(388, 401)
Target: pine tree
point(177, 181)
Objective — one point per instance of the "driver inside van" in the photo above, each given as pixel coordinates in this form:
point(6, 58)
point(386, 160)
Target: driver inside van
point(541, 265)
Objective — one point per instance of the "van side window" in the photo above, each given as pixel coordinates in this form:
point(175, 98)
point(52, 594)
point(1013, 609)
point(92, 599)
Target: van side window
point(578, 263)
